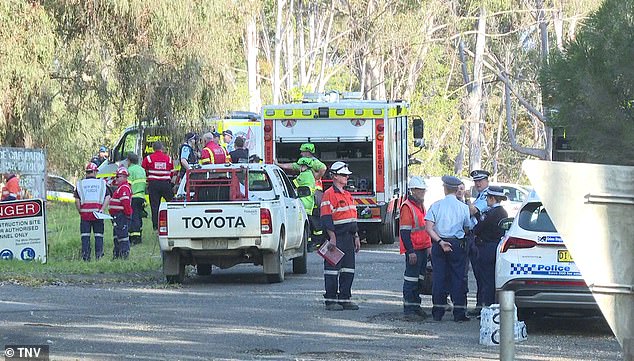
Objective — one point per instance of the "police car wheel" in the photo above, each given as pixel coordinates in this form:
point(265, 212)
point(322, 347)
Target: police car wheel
point(299, 263)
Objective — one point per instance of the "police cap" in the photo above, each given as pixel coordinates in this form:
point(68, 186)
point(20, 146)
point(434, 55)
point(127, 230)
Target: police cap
point(496, 191)
point(479, 174)
point(451, 181)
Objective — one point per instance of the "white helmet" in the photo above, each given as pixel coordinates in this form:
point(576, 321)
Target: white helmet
point(416, 182)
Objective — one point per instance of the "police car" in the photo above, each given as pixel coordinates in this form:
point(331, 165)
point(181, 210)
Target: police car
point(533, 261)
point(59, 189)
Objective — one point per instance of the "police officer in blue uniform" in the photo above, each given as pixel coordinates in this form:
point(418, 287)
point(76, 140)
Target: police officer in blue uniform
point(488, 234)
point(477, 208)
point(447, 221)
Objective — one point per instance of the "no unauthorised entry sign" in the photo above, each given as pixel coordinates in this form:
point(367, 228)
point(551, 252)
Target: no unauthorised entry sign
point(22, 230)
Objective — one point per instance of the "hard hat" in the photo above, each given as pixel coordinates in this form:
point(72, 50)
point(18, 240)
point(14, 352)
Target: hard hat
point(416, 182)
point(122, 171)
point(103, 148)
point(307, 147)
point(340, 168)
point(91, 167)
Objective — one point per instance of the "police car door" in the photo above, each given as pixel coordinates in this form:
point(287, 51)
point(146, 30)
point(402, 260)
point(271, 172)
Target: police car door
point(293, 212)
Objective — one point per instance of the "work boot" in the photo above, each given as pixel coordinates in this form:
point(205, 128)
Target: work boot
point(463, 318)
point(334, 307)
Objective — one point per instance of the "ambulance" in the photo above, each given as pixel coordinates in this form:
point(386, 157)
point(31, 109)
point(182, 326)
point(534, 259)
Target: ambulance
point(140, 138)
point(371, 136)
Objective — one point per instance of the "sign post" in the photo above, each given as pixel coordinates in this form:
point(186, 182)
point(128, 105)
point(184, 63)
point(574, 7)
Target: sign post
point(22, 230)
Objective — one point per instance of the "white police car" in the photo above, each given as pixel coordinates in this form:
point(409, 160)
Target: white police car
point(59, 189)
point(533, 261)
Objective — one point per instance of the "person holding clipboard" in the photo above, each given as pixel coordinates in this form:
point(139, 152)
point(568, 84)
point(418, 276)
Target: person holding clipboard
point(339, 218)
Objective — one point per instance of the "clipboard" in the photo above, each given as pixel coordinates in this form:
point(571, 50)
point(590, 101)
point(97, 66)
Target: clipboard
point(100, 215)
point(331, 256)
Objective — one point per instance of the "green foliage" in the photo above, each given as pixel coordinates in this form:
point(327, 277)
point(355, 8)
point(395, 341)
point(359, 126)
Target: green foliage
point(64, 253)
point(591, 84)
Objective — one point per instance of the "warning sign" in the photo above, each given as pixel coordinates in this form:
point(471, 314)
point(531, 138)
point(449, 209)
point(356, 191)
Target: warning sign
point(22, 230)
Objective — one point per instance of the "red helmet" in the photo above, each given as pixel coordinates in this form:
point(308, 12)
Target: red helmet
point(122, 171)
point(91, 167)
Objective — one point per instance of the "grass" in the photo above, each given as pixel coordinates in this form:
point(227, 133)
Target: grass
point(64, 263)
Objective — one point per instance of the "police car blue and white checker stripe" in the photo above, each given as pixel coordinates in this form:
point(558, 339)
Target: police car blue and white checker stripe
point(522, 268)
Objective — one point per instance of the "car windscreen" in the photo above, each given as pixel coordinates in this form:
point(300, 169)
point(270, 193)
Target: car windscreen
point(533, 217)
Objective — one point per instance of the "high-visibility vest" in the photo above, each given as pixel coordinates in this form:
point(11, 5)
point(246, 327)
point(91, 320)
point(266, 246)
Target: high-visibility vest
point(11, 191)
point(419, 236)
point(92, 195)
point(340, 205)
point(158, 166)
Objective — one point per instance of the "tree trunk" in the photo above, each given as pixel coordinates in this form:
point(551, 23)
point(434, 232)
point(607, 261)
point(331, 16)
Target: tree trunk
point(543, 30)
point(255, 102)
point(290, 49)
point(475, 97)
point(277, 61)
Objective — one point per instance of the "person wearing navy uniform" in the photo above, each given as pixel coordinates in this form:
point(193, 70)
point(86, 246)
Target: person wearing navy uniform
point(488, 234)
point(447, 221)
point(339, 218)
point(121, 210)
point(187, 152)
point(477, 208)
point(415, 243)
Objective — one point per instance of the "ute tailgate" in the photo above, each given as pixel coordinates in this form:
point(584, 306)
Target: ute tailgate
point(213, 220)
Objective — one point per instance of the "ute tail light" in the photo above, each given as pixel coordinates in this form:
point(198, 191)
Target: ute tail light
point(517, 243)
point(265, 221)
point(162, 223)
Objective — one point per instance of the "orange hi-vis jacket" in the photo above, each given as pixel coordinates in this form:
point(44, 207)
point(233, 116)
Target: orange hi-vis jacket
point(158, 167)
point(11, 190)
point(412, 231)
point(338, 210)
point(213, 153)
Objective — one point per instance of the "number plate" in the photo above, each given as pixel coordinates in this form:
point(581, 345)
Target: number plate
point(215, 244)
point(563, 255)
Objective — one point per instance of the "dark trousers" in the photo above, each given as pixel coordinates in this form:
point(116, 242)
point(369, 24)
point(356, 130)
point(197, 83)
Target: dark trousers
point(486, 268)
point(157, 190)
point(85, 228)
point(338, 278)
point(136, 221)
point(472, 257)
point(121, 240)
point(414, 274)
point(449, 264)
point(317, 234)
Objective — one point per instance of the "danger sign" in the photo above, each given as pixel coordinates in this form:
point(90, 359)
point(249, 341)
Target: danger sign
point(22, 230)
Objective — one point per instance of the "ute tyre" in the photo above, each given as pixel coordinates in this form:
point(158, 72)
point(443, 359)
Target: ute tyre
point(203, 269)
point(300, 266)
point(278, 257)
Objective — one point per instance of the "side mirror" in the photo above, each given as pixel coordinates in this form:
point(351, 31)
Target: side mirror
point(505, 223)
point(419, 131)
point(303, 191)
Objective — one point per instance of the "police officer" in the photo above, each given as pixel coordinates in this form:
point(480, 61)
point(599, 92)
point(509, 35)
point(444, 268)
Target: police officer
point(158, 167)
point(101, 156)
point(91, 195)
point(415, 243)
point(446, 222)
point(339, 217)
point(137, 181)
point(488, 235)
point(187, 153)
point(481, 180)
point(121, 210)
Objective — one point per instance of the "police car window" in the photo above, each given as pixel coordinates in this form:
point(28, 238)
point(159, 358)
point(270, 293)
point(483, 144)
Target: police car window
point(533, 217)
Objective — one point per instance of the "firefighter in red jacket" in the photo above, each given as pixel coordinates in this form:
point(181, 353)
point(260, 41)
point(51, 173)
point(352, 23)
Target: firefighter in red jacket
point(121, 211)
point(91, 195)
point(339, 218)
point(415, 243)
point(158, 167)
